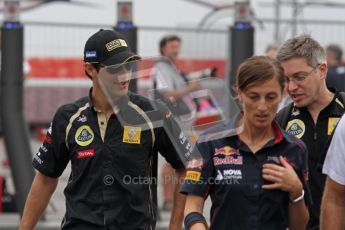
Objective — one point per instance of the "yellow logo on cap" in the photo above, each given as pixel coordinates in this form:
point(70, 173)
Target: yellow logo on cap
point(296, 127)
point(131, 135)
point(332, 122)
point(115, 44)
point(84, 135)
point(193, 175)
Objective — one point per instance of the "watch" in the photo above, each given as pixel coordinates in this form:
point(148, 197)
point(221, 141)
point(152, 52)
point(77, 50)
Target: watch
point(298, 199)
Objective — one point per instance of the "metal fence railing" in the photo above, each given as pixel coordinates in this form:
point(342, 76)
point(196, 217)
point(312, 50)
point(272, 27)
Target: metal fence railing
point(67, 40)
point(55, 50)
point(326, 32)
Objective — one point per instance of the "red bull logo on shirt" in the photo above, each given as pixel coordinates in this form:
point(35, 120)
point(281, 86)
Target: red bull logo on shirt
point(227, 156)
point(225, 151)
point(195, 164)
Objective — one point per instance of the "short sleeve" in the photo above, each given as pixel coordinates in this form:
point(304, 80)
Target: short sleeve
point(163, 75)
point(171, 141)
point(200, 171)
point(53, 155)
point(334, 165)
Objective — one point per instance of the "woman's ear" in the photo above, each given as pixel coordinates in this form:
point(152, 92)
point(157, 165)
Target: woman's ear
point(239, 95)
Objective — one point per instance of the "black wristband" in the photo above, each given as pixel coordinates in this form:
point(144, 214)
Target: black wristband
point(192, 218)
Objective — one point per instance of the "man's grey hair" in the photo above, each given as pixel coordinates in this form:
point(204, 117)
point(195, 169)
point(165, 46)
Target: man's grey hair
point(302, 46)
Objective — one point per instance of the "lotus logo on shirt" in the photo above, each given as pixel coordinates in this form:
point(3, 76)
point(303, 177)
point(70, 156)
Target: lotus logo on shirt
point(296, 127)
point(84, 135)
point(227, 156)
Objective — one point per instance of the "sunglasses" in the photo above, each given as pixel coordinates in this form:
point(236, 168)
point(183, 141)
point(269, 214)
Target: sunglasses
point(118, 68)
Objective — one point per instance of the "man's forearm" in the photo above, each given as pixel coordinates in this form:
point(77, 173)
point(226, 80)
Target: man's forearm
point(332, 216)
point(333, 206)
point(177, 213)
point(41, 190)
point(298, 216)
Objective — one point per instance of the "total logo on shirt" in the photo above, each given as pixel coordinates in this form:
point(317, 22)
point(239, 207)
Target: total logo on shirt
point(85, 153)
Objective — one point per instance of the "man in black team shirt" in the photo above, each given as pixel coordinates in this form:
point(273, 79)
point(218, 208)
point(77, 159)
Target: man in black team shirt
point(112, 144)
point(315, 110)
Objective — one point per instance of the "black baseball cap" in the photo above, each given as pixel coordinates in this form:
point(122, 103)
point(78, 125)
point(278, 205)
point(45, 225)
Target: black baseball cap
point(109, 48)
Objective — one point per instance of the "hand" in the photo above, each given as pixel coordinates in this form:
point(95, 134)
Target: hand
point(193, 86)
point(283, 177)
point(214, 71)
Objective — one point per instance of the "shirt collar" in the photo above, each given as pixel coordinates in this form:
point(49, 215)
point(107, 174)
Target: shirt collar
point(121, 105)
point(278, 132)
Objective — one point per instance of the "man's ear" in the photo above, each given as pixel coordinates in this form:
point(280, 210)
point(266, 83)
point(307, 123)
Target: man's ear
point(323, 69)
point(88, 69)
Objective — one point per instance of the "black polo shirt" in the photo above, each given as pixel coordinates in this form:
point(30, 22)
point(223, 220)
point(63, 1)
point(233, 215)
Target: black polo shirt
point(232, 175)
point(317, 138)
point(113, 177)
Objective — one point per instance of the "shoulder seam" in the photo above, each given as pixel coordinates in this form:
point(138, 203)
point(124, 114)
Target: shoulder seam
point(146, 118)
point(299, 145)
point(73, 117)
